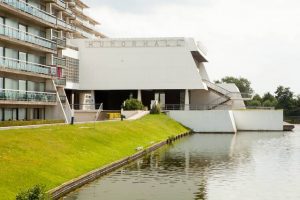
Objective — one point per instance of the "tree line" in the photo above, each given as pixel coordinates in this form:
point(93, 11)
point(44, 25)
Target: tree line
point(282, 98)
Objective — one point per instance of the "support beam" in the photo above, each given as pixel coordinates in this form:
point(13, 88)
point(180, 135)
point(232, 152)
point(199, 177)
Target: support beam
point(186, 100)
point(139, 95)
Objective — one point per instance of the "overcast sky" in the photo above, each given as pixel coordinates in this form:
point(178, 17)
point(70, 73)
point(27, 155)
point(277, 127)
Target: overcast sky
point(256, 39)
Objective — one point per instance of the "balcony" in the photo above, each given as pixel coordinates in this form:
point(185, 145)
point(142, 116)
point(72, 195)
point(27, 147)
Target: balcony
point(27, 97)
point(60, 82)
point(36, 12)
point(26, 37)
point(84, 33)
point(61, 62)
point(59, 41)
point(24, 66)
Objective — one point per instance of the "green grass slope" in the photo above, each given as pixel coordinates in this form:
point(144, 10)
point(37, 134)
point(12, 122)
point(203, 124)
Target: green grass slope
point(56, 154)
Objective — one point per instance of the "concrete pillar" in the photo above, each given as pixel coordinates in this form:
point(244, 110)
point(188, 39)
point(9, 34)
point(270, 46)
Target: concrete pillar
point(139, 95)
point(49, 8)
point(49, 59)
point(93, 107)
point(72, 100)
point(60, 15)
point(186, 100)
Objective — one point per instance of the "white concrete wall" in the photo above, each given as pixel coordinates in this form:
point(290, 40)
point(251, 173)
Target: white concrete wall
point(212, 121)
point(70, 53)
point(258, 120)
point(133, 64)
point(230, 121)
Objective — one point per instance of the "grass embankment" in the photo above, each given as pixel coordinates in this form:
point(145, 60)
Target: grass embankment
point(54, 155)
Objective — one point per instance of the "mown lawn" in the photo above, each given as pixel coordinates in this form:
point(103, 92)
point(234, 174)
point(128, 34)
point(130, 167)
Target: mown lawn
point(54, 155)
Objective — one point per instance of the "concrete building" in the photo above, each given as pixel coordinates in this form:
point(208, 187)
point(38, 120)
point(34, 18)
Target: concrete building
point(33, 69)
point(53, 60)
point(169, 70)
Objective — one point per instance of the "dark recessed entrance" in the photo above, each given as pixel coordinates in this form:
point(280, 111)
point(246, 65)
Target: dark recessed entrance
point(112, 100)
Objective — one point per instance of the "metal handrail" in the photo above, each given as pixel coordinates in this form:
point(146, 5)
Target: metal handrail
point(21, 65)
point(60, 81)
point(25, 36)
point(194, 107)
point(22, 95)
point(59, 61)
point(216, 87)
point(60, 41)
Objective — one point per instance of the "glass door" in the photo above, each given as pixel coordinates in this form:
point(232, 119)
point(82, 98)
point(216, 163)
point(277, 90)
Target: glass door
point(22, 32)
point(22, 60)
point(1, 25)
point(22, 90)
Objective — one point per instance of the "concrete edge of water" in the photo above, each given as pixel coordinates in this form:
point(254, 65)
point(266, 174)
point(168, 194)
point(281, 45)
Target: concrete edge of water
point(76, 183)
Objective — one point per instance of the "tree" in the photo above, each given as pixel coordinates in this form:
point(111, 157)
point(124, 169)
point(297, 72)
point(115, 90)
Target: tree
point(285, 99)
point(243, 84)
point(269, 100)
point(255, 102)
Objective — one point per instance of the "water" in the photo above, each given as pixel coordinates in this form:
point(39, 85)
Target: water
point(246, 166)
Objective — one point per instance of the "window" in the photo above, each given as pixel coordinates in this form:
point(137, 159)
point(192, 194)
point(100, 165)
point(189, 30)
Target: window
point(1, 83)
point(2, 22)
point(22, 114)
point(10, 114)
point(23, 59)
point(11, 84)
point(1, 114)
point(30, 86)
point(23, 31)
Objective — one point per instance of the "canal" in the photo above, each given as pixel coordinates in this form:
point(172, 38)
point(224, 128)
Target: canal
point(248, 165)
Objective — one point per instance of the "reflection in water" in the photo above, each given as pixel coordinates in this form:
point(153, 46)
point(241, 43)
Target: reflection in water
point(208, 167)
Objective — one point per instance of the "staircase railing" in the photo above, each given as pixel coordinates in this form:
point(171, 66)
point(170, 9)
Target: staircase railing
point(168, 107)
point(226, 94)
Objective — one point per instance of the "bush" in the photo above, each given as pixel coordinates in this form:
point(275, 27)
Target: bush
point(254, 103)
point(37, 192)
point(269, 103)
point(28, 123)
point(133, 104)
point(155, 109)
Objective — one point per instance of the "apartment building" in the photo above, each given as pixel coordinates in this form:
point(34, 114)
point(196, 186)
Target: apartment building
point(34, 62)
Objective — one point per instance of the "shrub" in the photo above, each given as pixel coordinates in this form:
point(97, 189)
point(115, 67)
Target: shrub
point(254, 103)
point(133, 104)
point(155, 109)
point(37, 192)
point(28, 123)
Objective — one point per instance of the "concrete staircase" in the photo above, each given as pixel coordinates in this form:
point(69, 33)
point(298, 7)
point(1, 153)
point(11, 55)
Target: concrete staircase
point(224, 95)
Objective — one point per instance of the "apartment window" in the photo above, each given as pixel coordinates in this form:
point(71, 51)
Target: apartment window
point(1, 51)
point(10, 114)
point(1, 83)
point(1, 24)
point(22, 114)
point(11, 53)
point(22, 85)
point(22, 57)
point(11, 84)
point(23, 30)
point(1, 114)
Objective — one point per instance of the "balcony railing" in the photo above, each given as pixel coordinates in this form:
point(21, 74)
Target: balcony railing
point(61, 3)
point(27, 96)
point(59, 61)
point(34, 11)
point(27, 37)
point(194, 107)
point(59, 41)
point(84, 33)
point(60, 81)
point(10, 63)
